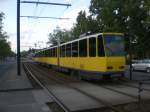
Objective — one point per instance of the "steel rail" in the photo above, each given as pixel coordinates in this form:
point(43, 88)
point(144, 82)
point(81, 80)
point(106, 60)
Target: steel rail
point(47, 90)
point(109, 88)
point(110, 106)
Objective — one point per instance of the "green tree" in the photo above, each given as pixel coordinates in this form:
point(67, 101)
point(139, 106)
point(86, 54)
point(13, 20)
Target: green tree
point(127, 16)
point(85, 24)
point(59, 35)
point(5, 49)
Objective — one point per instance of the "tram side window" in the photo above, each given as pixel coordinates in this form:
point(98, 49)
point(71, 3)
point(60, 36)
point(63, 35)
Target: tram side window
point(48, 52)
point(83, 48)
point(62, 53)
point(60, 48)
point(59, 51)
point(68, 50)
point(53, 52)
point(100, 46)
point(45, 53)
point(92, 47)
point(41, 54)
point(38, 54)
point(56, 52)
point(75, 49)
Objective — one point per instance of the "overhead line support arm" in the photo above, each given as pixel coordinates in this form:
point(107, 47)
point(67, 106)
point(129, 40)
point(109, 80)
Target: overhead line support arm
point(36, 17)
point(46, 3)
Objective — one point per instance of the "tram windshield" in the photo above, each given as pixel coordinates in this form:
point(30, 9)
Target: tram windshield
point(114, 45)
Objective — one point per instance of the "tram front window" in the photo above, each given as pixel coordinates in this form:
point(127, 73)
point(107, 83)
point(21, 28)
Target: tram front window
point(114, 45)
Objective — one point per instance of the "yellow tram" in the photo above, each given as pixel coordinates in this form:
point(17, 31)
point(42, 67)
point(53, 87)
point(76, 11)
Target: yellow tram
point(100, 54)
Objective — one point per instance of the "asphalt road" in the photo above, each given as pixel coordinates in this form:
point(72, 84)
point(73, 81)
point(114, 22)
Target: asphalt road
point(140, 76)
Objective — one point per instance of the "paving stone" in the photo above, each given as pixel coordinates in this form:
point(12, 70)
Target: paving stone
point(74, 100)
point(19, 101)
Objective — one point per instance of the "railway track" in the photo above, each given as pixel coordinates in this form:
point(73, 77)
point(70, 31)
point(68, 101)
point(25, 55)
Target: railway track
point(83, 92)
point(38, 73)
point(109, 88)
point(120, 82)
point(140, 93)
point(135, 84)
point(29, 72)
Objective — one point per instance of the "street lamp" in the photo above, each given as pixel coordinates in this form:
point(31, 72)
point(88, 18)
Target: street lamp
point(128, 37)
point(131, 42)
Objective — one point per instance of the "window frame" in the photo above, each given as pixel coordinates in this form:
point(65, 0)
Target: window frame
point(84, 52)
point(100, 51)
point(73, 47)
point(70, 50)
point(90, 53)
point(62, 51)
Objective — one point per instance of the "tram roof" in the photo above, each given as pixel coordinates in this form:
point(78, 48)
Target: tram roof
point(88, 36)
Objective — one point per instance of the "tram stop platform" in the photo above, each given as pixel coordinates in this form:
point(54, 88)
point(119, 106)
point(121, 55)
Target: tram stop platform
point(17, 93)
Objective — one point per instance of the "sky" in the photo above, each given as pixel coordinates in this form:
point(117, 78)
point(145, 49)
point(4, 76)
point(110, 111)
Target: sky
point(35, 31)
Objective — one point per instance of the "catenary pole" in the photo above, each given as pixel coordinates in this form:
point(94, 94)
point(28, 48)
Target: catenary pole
point(18, 38)
point(130, 53)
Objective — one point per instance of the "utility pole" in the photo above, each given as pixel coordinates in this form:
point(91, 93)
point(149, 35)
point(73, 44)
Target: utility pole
point(18, 38)
point(130, 53)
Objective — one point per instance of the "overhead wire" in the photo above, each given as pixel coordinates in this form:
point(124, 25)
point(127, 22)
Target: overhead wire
point(62, 14)
point(32, 24)
point(41, 11)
